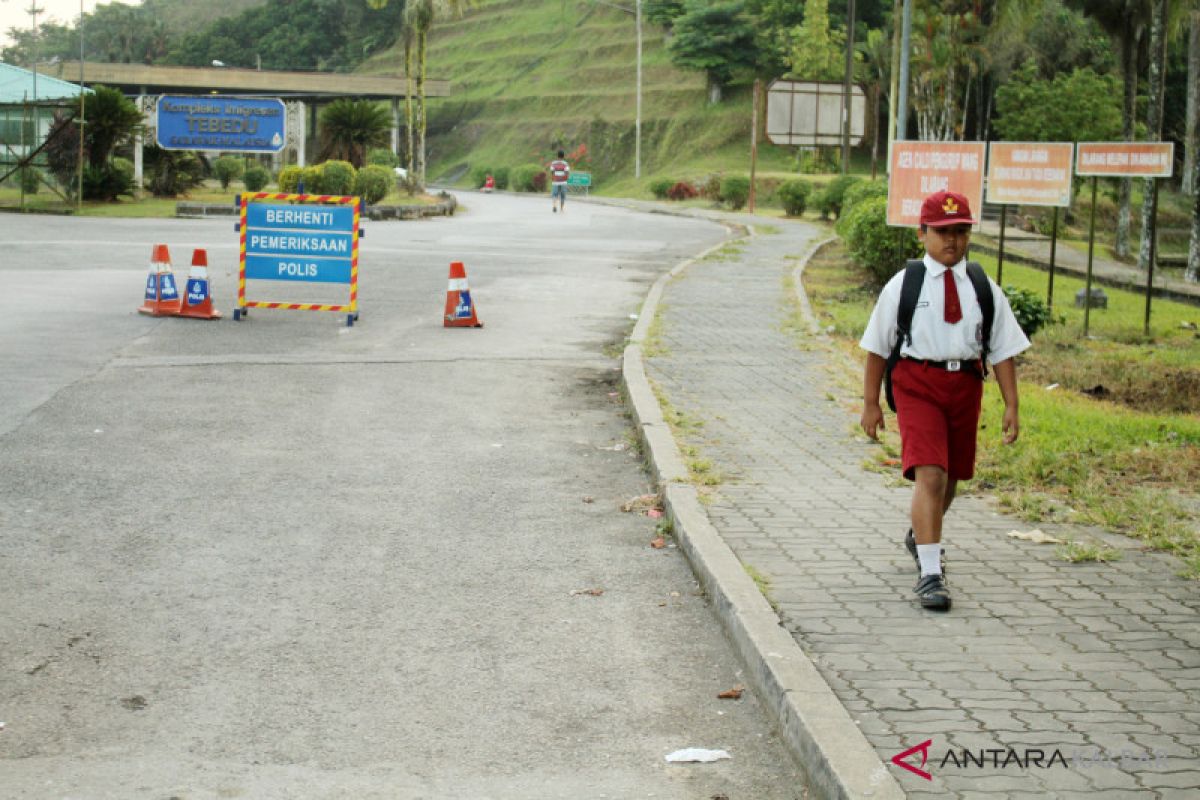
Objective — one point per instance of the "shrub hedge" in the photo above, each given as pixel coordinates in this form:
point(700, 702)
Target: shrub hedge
point(337, 178)
point(289, 178)
point(735, 191)
point(793, 195)
point(373, 182)
point(660, 187)
point(874, 245)
point(523, 177)
point(829, 200)
point(255, 178)
point(227, 169)
point(682, 191)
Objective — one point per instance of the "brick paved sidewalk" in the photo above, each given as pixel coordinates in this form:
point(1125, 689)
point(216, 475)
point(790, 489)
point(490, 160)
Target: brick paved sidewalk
point(1097, 661)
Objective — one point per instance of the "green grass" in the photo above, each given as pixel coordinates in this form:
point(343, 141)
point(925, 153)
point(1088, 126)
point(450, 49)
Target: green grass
point(653, 345)
point(762, 582)
point(1128, 466)
point(1076, 552)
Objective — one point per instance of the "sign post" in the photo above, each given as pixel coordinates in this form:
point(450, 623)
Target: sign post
point(227, 124)
point(299, 238)
point(810, 113)
point(919, 169)
point(1029, 174)
point(1124, 159)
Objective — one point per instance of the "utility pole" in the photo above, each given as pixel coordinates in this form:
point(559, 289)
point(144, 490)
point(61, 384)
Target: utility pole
point(636, 11)
point(637, 123)
point(82, 113)
point(33, 12)
point(846, 89)
point(905, 48)
point(754, 140)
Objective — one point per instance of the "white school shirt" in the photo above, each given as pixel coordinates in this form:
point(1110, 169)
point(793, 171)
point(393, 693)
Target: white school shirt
point(932, 337)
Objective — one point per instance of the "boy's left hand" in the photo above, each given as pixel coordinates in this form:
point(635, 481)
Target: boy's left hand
point(1011, 425)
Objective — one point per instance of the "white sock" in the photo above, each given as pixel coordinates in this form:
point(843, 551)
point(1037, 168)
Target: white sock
point(930, 556)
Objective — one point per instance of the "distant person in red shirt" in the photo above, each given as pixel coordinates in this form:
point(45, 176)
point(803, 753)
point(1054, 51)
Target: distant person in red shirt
point(559, 172)
point(489, 184)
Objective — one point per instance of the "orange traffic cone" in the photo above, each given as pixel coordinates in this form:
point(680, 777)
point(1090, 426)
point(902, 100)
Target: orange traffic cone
point(197, 297)
point(162, 295)
point(460, 309)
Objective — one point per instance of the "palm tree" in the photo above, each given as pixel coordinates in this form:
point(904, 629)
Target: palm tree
point(419, 16)
point(111, 118)
point(351, 127)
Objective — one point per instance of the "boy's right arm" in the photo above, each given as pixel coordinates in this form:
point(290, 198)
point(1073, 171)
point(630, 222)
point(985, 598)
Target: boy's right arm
point(872, 414)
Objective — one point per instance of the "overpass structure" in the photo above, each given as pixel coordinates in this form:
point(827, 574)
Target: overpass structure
point(302, 92)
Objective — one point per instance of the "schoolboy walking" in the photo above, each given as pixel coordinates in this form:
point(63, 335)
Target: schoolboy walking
point(937, 362)
point(560, 171)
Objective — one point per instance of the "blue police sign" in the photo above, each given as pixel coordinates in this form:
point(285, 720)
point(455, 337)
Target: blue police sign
point(161, 286)
point(197, 291)
point(212, 122)
point(299, 243)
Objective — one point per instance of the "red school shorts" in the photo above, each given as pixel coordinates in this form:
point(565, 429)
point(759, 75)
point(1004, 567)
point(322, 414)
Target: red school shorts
point(938, 413)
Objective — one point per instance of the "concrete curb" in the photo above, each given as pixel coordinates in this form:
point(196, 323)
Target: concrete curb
point(446, 208)
point(806, 311)
point(838, 759)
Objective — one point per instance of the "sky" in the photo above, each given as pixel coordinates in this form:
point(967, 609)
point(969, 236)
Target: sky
point(15, 13)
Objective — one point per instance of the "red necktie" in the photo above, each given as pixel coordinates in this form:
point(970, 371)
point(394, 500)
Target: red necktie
point(953, 309)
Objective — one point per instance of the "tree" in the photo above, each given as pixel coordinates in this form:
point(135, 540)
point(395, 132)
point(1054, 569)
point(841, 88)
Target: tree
point(663, 12)
point(946, 59)
point(816, 52)
point(1154, 118)
point(349, 128)
point(1034, 110)
point(296, 34)
point(1191, 141)
point(62, 151)
point(1124, 22)
point(123, 34)
point(418, 18)
point(1057, 38)
point(715, 39)
point(111, 118)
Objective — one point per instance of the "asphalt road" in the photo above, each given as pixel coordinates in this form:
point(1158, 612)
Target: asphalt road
point(283, 558)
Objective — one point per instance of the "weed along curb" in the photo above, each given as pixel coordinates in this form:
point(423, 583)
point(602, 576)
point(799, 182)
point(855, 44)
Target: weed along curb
point(838, 760)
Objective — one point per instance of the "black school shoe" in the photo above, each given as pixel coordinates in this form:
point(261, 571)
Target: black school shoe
point(932, 592)
point(910, 543)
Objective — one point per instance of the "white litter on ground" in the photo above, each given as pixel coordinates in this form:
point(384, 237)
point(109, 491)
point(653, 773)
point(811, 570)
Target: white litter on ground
point(1036, 536)
point(698, 754)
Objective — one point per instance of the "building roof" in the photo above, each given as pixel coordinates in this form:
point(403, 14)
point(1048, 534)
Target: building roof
point(145, 79)
point(16, 86)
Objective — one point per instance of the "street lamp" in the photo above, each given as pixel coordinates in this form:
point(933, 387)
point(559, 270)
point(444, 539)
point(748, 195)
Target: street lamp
point(637, 121)
point(82, 107)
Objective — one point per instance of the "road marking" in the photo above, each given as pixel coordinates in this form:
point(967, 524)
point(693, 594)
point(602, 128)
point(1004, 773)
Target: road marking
point(522, 254)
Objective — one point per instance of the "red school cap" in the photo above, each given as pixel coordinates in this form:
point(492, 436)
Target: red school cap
point(946, 208)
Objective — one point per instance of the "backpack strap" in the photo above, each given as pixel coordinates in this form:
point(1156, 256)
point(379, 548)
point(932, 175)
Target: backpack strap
point(987, 304)
point(910, 290)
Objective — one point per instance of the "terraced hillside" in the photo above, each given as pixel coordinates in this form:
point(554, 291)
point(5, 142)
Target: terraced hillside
point(530, 75)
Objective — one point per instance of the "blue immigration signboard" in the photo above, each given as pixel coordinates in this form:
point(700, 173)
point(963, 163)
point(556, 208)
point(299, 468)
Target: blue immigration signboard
point(213, 122)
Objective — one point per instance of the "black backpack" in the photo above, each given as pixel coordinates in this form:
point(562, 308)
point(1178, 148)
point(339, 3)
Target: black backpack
point(910, 290)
